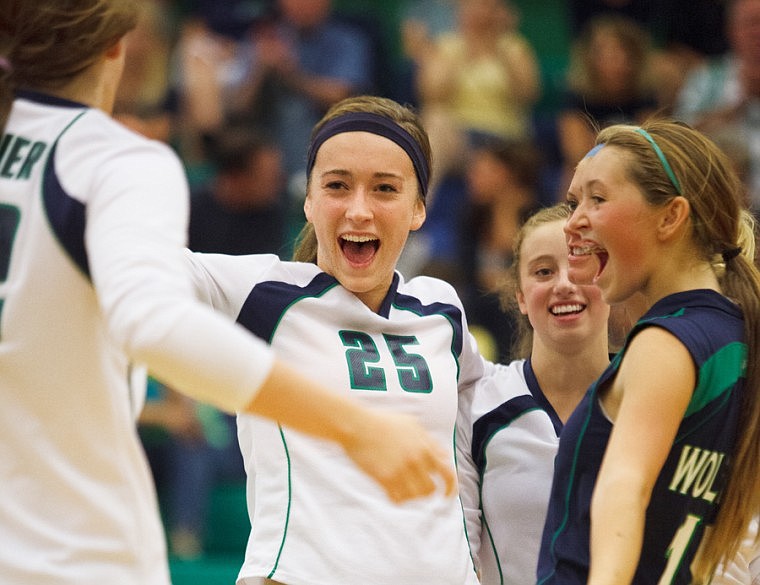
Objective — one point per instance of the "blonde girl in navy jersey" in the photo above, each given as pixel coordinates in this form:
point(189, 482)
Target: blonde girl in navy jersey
point(656, 475)
point(93, 222)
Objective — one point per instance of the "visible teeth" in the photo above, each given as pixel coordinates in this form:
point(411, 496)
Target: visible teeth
point(353, 238)
point(585, 250)
point(564, 309)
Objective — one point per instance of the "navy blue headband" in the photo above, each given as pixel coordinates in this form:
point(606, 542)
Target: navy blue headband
point(375, 124)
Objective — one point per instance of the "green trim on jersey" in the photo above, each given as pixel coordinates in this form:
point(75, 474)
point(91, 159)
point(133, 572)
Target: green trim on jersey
point(718, 375)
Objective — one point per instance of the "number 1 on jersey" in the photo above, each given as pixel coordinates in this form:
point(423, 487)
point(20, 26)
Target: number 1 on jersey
point(678, 548)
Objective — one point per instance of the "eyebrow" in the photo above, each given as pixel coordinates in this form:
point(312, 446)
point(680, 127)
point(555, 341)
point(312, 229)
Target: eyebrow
point(377, 175)
point(541, 258)
point(590, 184)
point(341, 172)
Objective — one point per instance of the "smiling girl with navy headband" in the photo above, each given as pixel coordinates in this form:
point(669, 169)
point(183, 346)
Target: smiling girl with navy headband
point(345, 315)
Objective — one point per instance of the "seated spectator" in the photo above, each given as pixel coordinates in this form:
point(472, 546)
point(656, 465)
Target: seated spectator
point(609, 82)
point(722, 97)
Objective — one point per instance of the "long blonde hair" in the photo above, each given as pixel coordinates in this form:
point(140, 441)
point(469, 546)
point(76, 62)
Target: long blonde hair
point(721, 225)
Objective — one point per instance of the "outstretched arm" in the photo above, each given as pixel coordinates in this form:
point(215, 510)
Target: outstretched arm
point(394, 449)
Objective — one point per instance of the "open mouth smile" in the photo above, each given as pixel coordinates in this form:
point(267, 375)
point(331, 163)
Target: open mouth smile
point(359, 249)
point(588, 250)
point(567, 309)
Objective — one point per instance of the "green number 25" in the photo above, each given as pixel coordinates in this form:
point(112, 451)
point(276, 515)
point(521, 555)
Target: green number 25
point(411, 368)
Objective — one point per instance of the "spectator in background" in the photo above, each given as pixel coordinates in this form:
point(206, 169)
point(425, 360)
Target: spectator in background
point(207, 69)
point(692, 31)
point(722, 97)
point(480, 79)
point(609, 81)
point(421, 22)
point(502, 185)
point(242, 209)
point(145, 100)
point(295, 65)
point(191, 448)
point(685, 33)
point(228, 18)
point(581, 12)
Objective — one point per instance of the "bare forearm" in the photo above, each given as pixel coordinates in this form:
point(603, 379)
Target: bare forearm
point(617, 531)
point(392, 448)
point(300, 403)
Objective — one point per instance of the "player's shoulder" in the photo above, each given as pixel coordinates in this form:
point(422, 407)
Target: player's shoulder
point(97, 157)
point(499, 384)
point(78, 131)
point(249, 269)
point(430, 289)
point(101, 133)
point(503, 382)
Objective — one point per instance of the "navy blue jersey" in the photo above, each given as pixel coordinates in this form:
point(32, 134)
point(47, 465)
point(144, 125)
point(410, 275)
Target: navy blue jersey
point(685, 496)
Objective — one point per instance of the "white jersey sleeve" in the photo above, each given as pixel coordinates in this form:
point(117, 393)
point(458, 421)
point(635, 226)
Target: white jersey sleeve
point(744, 568)
point(93, 222)
point(507, 439)
point(136, 217)
point(223, 281)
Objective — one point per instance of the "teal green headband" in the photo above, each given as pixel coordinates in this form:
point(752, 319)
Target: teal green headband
point(663, 160)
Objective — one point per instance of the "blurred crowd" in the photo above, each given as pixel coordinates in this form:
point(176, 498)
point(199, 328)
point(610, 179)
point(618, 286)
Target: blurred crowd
point(235, 86)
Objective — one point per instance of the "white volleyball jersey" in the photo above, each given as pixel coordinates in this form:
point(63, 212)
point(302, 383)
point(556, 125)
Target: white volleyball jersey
point(744, 568)
point(92, 230)
point(507, 436)
point(316, 518)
